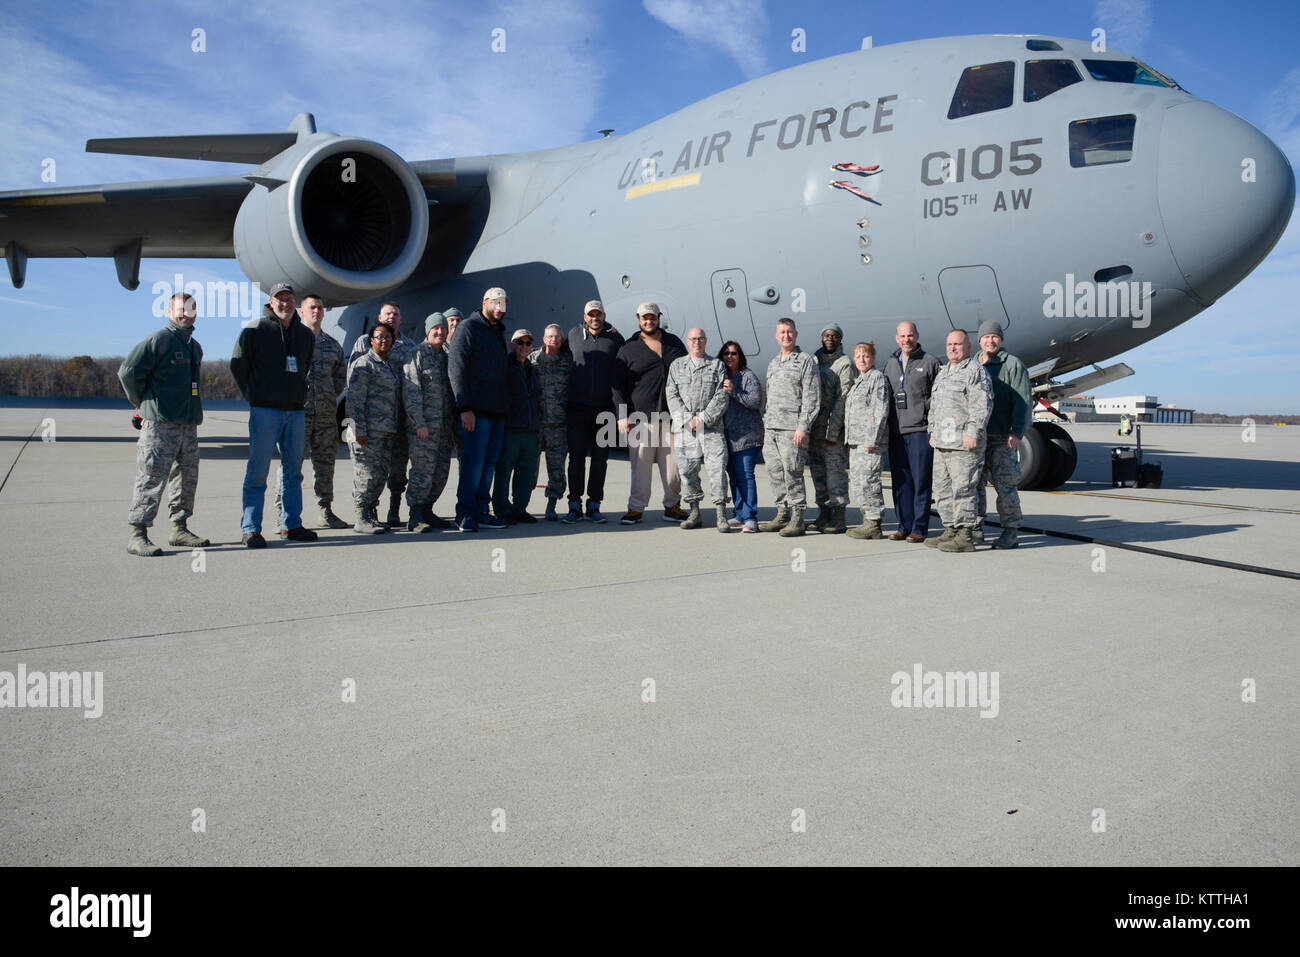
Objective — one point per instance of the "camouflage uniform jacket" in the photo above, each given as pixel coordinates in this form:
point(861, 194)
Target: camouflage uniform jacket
point(960, 403)
point(553, 372)
point(694, 387)
point(373, 391)
point(841, 365)
point(792, 392)
point(830, 416)
point(327, 377)
point(866, 411)
point(426, 390)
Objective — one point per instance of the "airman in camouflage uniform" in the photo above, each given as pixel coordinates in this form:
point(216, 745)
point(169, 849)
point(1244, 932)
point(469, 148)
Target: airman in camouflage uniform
point(161, 378)
point(828, 459)
point(960, 402)
point(791, 401)
point(1012, 402)
point(554, 369)
point(866, 431)
point(698, 404)
point(426, 397)
point(374, 392)
point(390, 314)
point(326, 380)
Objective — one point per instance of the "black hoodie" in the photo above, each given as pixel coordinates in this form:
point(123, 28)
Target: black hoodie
point(259, 362)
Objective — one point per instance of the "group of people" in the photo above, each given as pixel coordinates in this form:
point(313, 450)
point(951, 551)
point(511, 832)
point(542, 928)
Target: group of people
point(499, 404)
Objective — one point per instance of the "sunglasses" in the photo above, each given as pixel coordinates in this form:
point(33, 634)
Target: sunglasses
point(732, 353)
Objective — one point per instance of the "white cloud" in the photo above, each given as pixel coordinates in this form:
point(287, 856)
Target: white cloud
point(736, 27)
point(1126, 22)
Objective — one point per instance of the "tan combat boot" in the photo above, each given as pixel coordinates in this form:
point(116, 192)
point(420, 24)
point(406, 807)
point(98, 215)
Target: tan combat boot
point(960, 541)
point(139, 544)
point(945, 537)
point(692, 519)
point(182, 537)
point(778, 522)
point(796, 526)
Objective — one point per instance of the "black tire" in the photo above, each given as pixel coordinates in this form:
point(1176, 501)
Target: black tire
point(1034, 459)
point(1063, 456)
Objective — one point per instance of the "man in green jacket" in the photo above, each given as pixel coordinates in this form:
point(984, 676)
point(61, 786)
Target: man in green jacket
point(1012, 400)
point(161, 378)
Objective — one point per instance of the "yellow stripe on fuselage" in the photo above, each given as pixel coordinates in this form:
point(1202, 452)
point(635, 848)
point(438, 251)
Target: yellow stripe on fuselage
point(677, 182)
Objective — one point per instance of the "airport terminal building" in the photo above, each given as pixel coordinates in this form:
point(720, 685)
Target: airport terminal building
point(1139, 408)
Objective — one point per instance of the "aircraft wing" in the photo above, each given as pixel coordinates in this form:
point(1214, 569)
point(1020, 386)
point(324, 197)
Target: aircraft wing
point(346, 217)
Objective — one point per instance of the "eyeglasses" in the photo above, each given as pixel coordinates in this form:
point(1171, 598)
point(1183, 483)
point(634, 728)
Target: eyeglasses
point(697, 338)
point(732, 353)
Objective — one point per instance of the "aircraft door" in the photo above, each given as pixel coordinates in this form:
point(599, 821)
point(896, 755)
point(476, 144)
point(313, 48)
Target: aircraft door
point(971, 296)
point(731, 307)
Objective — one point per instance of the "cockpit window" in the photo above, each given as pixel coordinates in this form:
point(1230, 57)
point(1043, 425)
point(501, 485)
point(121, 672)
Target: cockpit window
point(1045, 77)
point(984, 88)
point(1127, 71)
point(1102, 140)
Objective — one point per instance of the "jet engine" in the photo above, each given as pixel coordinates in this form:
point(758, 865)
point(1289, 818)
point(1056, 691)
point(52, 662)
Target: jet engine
point(345, 218)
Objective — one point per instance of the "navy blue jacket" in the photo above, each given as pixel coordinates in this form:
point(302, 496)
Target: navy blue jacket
point(476, 365)
point(525, 396)
point(590, 382)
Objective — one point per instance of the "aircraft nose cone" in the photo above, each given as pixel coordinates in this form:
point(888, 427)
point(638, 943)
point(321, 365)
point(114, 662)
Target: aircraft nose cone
point(1226, 193)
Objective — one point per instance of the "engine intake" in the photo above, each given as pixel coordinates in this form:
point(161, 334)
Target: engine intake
point(345, 218)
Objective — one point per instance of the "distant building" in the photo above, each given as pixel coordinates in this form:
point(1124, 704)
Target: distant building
point(1139, 408)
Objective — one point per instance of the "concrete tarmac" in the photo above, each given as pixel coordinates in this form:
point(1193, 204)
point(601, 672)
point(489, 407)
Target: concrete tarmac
point(645, 695)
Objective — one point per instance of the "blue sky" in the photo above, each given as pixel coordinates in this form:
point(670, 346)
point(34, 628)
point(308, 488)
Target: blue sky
point(420, 78)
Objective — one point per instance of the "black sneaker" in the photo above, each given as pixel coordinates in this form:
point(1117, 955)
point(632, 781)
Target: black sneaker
point(300, 534)
point(575, 514)
point(593, 513)
point(488, 520)
point(466, 523)
point(523, 518)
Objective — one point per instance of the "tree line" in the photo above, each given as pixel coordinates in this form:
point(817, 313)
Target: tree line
point(88, 377)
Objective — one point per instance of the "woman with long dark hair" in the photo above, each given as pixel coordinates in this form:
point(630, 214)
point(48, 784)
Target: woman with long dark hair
point(744, 426)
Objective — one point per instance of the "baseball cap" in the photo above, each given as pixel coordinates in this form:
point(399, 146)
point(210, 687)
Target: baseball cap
point(594, 304)
point(520, 334)
point(280, 287)
point(496, 292)
point(648, 308)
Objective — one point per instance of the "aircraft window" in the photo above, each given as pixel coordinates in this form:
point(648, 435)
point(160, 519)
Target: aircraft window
point(1045, 77)
point(983, 88)
point(1127, 71)
point(1104, 139)
point(1039, 46)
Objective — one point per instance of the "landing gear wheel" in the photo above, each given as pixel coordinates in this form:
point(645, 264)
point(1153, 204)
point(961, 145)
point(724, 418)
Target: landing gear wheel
point(1034, 459)
point(1062, 456)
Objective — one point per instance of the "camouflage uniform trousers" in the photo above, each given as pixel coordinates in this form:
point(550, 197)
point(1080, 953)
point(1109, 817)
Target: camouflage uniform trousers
point(167, 453)
point(785, 464)
point(555, 443)
point(321, 445)
point(829, 465)
point(401, 455)
point(370, 465)
point(1002, 470)
point(704, 450)
point(430, 460)
point(864, 481)
point(956, 483)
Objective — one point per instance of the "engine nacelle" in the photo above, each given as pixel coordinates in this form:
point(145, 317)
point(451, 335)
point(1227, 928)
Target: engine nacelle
point(341, 217)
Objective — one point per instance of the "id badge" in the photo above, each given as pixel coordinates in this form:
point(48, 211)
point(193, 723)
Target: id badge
point(291, 363)
point(900, 399)
point(194, 388)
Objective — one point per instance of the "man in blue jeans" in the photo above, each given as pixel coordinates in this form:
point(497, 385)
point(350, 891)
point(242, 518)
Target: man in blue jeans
point(270, 363)
point(476, 365)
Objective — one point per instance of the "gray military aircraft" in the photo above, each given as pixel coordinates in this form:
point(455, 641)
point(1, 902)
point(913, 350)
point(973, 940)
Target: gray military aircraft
point(1081, 198)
